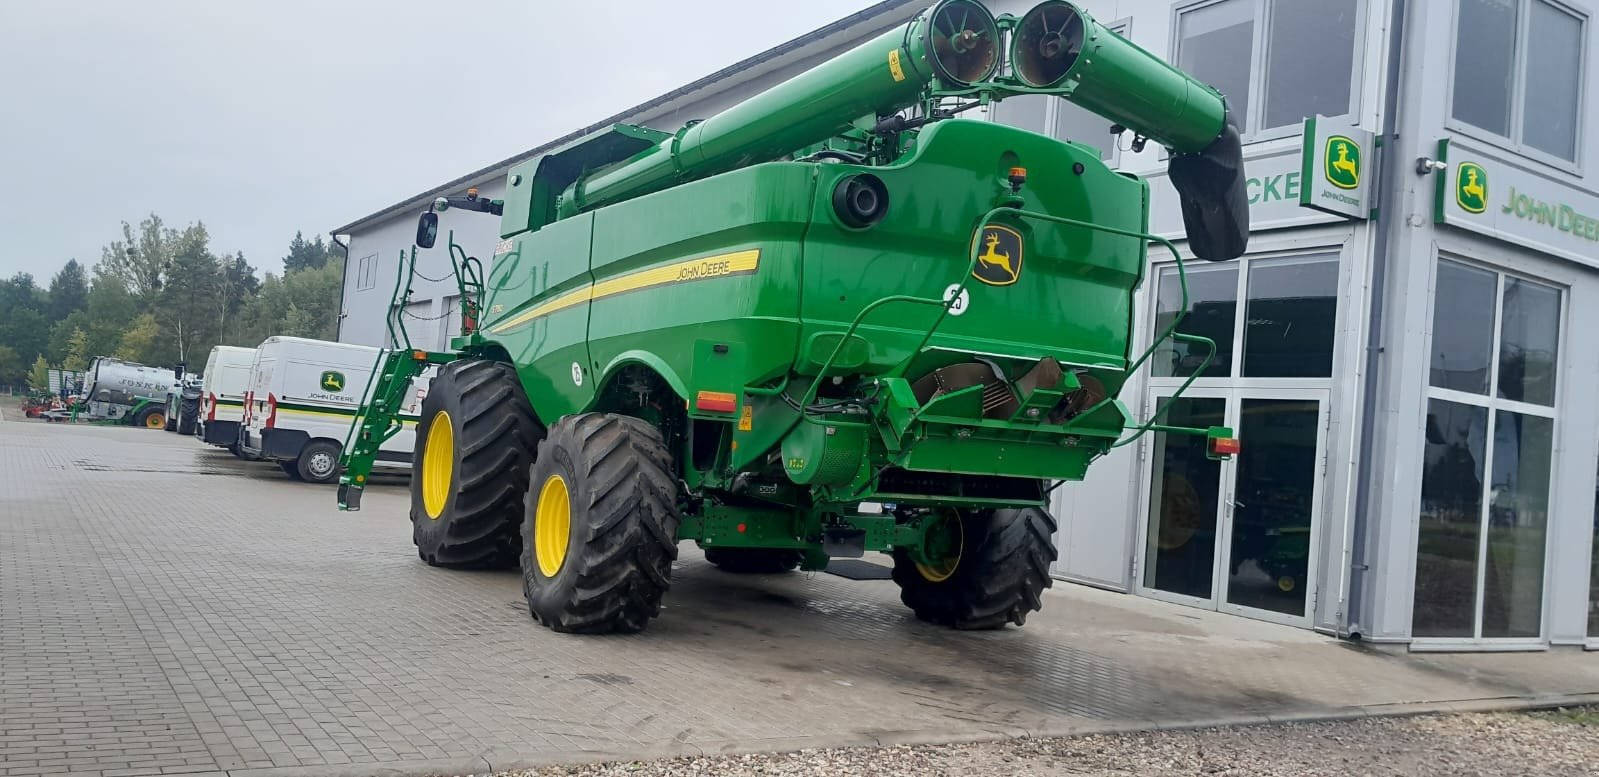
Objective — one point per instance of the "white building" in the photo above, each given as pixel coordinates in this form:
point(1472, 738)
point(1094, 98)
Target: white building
point(1420, 453)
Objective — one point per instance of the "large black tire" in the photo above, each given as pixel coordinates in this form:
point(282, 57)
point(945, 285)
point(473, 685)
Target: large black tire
point(172, 424)
point(319, 461)
point(610, 476)
point(754, 561)
point(188, 415)
point(492, 437)
point(1000, 576)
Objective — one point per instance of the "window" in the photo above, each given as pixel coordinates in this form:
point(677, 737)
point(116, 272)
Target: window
point(1276, 61)
point(1060, 118)
point(1488, 457)
point(1528, 94)
point(1290, 312)
point(366, 272)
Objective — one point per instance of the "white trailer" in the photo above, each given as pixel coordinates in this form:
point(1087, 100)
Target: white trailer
point(227, 377)
point(301, 400)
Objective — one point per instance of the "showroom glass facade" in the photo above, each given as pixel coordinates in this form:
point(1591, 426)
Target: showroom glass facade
point(1490, 441)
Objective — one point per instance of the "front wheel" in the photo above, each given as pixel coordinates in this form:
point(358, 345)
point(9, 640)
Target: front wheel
point(319, 462)
point(600, 532)
point(989, 568)
point(474, 443)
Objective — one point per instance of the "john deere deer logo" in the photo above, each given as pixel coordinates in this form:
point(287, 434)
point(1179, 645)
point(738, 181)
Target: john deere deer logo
point(1471, 187)
point(1000, 262)
point(332, 381)
point(1343, 162)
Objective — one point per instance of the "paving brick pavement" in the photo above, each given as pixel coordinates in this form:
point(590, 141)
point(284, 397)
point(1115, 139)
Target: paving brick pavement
point(166, 608)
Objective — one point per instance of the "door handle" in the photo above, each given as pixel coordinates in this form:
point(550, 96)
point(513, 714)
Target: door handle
point(1234, 505)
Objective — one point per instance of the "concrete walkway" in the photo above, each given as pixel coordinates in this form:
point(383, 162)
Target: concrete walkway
point(165, 608)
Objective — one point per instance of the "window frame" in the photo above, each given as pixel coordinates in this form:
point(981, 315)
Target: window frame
point(1514, 143)
point(1245, 265)
point(1259, 56)
point(366, 276)
point(1493, 404)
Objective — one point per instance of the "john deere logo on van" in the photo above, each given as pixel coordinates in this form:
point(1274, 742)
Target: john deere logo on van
point(332, 381)
point(999, 257)
point(1343, 162)
point(1471, 187)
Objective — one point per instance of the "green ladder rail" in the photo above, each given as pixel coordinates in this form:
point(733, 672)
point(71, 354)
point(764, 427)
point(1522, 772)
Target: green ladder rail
point(378, 418)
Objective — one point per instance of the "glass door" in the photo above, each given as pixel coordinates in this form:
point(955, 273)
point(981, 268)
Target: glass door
point(1237, 536)
point(1183, 517)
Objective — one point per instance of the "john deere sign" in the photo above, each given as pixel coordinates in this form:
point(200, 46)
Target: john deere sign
point(1334, 172)
point(1478, 193)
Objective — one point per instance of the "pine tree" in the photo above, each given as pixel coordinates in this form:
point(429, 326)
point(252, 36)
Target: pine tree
point(69, 291)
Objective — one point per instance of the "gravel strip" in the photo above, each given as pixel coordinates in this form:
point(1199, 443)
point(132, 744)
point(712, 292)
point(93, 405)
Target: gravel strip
point(1464, 745)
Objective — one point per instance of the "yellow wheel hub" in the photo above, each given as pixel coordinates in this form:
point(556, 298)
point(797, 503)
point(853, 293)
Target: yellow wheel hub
point(155, 421)
point(438, 465)
point(954, 543)
point(552, 525)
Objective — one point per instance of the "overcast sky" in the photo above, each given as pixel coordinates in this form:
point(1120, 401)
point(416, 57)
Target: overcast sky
point(260, 117)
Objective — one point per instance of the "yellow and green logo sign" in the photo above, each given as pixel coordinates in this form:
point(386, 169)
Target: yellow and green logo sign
point(332, 381)
point(1000, 262)
point(1343, 162)
point(1471, 187)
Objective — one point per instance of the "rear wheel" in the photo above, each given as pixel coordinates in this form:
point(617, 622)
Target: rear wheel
point(319, 461)
point(151, 418)
point(601, 528)
point(754, 561)
point(990, 568)
point(473, 446)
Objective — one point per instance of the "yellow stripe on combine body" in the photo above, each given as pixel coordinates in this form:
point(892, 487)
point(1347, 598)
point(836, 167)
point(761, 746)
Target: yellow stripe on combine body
point(701, 269)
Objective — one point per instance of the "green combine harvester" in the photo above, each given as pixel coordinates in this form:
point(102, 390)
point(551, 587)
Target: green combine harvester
point(831, 319)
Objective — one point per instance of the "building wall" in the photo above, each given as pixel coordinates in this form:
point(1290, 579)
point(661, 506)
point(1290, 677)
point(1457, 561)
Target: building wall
point(1417, 242)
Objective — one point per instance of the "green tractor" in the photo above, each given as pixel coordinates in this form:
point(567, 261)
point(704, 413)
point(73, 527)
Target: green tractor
point(834, 318)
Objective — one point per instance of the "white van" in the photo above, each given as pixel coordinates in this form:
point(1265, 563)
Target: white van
point(302, 397)
point(227, 377)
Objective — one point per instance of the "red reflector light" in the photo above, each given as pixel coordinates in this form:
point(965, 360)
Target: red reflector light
point(716, 401)
point(1225, 446)
point(211, 407)
point(272, 411)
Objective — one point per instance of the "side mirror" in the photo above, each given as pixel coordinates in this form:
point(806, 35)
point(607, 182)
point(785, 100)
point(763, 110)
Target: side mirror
point(427, 229)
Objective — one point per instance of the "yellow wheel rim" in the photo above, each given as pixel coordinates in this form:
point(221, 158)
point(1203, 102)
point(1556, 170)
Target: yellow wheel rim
point(552, 525)
point(1287, 583)
point(944, 568)
point(438, 465)
point(155, 421)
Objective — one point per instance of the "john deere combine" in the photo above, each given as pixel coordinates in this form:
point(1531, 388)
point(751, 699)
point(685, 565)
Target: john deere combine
point(831, 319)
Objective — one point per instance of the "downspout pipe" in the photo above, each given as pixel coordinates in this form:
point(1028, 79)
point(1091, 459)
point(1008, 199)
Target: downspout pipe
point(1391, 186)
point(338, 321)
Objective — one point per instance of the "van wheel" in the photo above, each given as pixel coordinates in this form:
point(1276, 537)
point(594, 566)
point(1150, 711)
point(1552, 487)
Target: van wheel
point(601, 528)
point(318, 462)
point(474, 443)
